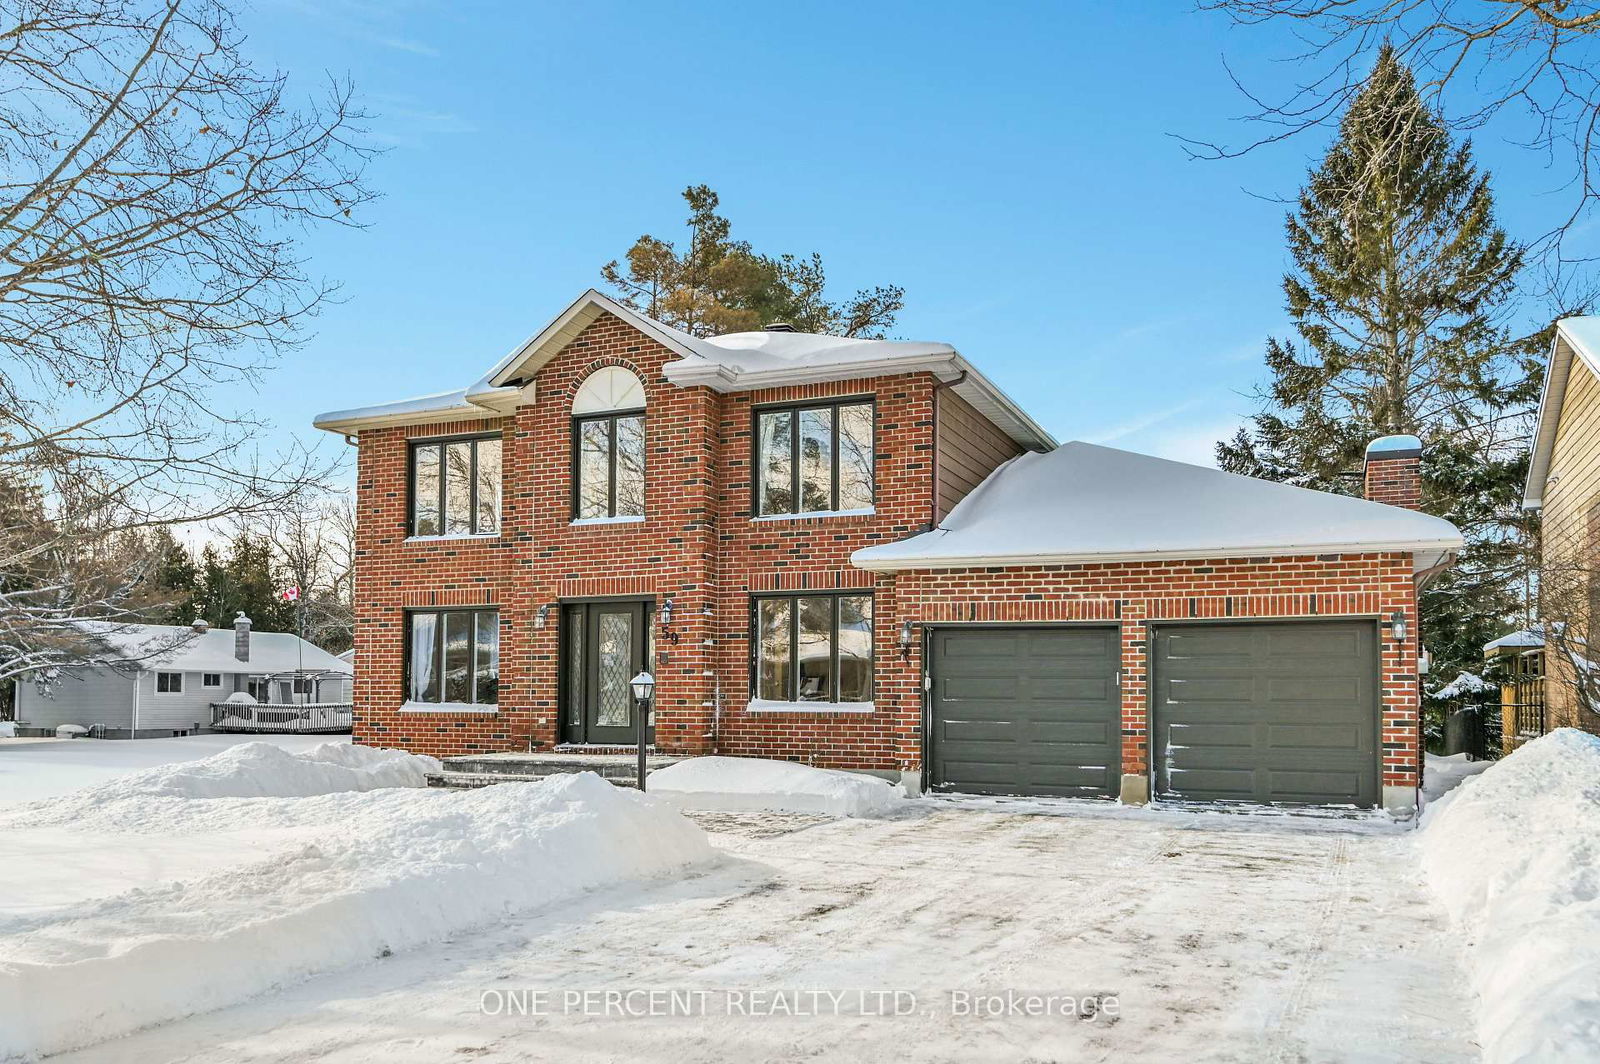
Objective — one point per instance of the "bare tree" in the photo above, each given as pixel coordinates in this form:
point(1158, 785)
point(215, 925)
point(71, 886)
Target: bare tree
point(1539, 56)
point(152, 189)
point(315, 544)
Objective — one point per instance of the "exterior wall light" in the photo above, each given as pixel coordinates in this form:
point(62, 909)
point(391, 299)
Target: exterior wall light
point(1397, 626)
point(907, 639)
point(666, 621)
point(542, 616)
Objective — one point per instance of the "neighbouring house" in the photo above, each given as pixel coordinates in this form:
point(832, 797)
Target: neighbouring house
point(1517, 661)
point(1564, 486)
point(161, 680)
point(861, 554)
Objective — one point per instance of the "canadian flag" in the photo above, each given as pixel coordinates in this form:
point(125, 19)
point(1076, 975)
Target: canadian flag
point(291, 594)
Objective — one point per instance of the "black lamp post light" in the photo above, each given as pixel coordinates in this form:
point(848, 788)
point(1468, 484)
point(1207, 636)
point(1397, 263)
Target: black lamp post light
point(644, 688)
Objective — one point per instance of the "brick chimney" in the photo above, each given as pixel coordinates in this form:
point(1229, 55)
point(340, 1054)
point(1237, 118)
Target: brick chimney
point(1394, 471)
point(241, 637)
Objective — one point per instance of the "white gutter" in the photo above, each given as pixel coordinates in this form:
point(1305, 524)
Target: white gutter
point(893, 564)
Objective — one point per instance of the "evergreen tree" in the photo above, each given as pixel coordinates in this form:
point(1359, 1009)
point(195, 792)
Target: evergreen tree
point(1399, 295)
point(245, 579)
point(720, 285)
point(174, 580)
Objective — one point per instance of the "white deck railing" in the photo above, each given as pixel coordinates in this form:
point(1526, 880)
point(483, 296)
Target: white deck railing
point(281, 717)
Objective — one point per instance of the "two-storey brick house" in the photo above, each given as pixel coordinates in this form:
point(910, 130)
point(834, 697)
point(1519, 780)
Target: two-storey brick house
point(861, 554)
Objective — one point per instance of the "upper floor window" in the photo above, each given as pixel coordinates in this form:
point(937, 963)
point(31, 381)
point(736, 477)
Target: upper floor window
point(608, 446)
point(455, 487)
point(211, 679)
point(169, 683)
point(814, 458)
point(453, 656)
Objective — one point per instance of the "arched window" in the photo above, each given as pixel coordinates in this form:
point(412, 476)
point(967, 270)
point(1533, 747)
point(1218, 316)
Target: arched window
point(608, 447)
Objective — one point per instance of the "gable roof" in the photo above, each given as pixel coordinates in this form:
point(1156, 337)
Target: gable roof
point(1086, 503)
point(734, 362)
point(171, 648)
point(1575, 338)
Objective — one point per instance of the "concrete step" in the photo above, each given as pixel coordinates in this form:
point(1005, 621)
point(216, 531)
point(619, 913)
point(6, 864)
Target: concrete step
point(469, 780)
point(480, 770)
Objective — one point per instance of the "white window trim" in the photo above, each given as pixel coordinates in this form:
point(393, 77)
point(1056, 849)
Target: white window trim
point(452, 536)
point(767, 705)
point(155, 683)
point(866, 511)
point(481, 709)
point(216, 685)
point(626, 519)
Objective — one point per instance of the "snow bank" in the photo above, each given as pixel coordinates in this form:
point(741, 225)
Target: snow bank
point(1514, 854)
point(262, 770)
point(8, 729)
point(380, 871)
point(747, 784)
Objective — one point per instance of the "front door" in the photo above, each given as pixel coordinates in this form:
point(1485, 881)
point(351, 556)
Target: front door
point(606, 645)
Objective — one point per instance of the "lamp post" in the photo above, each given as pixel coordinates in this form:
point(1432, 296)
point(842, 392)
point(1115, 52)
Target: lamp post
point(644, 686)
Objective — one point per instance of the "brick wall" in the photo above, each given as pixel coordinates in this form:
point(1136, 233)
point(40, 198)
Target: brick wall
point(699, 545)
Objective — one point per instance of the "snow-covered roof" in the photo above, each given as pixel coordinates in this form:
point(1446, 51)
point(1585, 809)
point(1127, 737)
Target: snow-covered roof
point(734, 362)
point(1527, 637)
point(1575, 337)
point(445, 406)
point(1087, 503)
point(176, 649)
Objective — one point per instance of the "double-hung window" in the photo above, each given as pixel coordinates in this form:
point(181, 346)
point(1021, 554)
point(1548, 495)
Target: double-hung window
point(813, 648)
point(455, 487)
point(608, 466)
point(453, 657)
point(814, 458)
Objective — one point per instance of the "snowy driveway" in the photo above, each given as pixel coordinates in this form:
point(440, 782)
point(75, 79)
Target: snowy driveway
point(1252, 939)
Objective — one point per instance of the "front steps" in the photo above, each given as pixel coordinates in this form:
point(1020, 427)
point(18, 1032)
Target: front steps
point(617, 765)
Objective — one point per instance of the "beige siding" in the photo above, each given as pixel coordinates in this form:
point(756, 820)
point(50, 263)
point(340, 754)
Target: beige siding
point(1572, 492)
point(969, 448)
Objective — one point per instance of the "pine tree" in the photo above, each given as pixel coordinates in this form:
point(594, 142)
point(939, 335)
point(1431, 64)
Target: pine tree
point(720, 285)
point(245, 579)
point(1400, 292)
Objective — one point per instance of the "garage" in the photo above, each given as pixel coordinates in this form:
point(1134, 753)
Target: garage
point(1025, 711)
point(1284, 712)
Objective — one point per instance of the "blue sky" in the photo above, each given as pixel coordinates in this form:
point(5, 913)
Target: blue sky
point(1014, 166)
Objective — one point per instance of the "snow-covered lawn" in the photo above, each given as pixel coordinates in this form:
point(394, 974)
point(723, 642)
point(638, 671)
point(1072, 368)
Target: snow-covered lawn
point(42, 768)
point(190, 886)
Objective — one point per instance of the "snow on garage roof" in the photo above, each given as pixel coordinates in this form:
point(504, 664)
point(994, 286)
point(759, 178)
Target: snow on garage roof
point(1526, 637)
point(1086, 503)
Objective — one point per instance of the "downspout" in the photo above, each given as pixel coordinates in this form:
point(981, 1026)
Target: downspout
point(133, 730)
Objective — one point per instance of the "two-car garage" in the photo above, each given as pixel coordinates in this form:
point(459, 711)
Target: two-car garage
point(1280, 712)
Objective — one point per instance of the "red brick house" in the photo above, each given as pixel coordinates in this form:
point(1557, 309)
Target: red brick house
point(861, 554)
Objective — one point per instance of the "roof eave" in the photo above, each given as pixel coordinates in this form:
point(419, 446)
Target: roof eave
point(566, 328)
point(336, 423)
point(950, 367)
point(1417, 548)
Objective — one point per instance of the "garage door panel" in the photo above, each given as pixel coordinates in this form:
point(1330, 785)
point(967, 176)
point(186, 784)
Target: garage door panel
point(1340, 694)
point(1026, 711)
point(1336, 739)
point(1273, 712)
